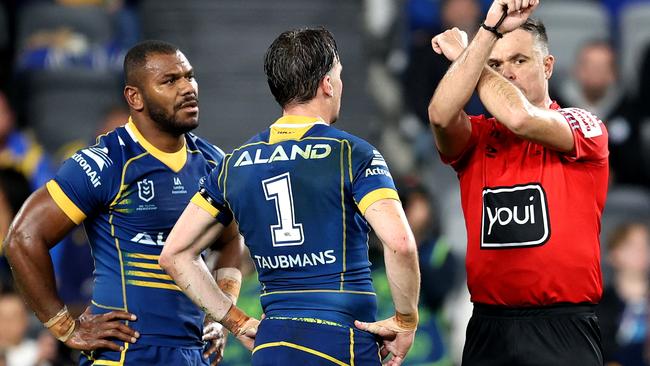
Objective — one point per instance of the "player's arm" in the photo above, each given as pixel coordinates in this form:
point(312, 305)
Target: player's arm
point(37, 227)
point(387, 218)
point(181, 259)
point(228, 276)
point(511, 108)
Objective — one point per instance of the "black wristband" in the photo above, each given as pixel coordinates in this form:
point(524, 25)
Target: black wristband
point(493, 30)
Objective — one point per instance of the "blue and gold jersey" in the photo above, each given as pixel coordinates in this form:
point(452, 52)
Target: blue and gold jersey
point(298, 192)
point(129, 194)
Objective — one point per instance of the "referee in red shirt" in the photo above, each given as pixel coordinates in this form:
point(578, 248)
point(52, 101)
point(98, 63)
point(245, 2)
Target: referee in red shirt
point(533, 184)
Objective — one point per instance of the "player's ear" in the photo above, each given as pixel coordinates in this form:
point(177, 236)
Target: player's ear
point(133, 97)
point(326, 85)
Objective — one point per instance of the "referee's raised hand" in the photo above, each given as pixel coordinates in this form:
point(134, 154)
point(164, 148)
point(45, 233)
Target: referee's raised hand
point(518, 12)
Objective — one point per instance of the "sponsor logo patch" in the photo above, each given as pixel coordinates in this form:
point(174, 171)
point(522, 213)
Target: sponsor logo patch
point(583, 120)
point(514, 217)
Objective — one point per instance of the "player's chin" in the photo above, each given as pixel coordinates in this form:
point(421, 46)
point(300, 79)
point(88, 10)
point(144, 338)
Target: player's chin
point(188, 119)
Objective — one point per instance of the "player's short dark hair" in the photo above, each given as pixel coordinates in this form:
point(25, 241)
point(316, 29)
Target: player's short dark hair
point(535, 27)
point(137, 56)
point(296, 62)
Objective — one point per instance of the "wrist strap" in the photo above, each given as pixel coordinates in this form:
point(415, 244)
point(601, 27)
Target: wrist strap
point(408, 322)
point(495, 28)
point(61, 325)
point(234, 320)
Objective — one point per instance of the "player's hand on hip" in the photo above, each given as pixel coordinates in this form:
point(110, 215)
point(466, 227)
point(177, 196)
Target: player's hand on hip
point(216, 336)
point(396, 341)
point(518, 12)
point(248, 333)
point(451, 43)
point(102, 331)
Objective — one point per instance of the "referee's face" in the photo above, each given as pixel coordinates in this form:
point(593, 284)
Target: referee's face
point(520, 60)
point(170, 93)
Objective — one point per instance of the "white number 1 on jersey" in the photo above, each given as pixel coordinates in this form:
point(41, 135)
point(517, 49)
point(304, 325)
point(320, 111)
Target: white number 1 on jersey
point(287, 232)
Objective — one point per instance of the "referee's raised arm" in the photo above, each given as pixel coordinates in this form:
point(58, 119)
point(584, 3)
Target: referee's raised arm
point(451, 126)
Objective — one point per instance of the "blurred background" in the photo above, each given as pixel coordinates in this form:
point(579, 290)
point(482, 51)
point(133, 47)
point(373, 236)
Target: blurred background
point(61, 85)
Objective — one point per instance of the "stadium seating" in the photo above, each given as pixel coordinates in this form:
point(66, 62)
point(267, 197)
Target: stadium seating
point(570, 24)
point(91, 21)
point(635, 37)
point(69, 104)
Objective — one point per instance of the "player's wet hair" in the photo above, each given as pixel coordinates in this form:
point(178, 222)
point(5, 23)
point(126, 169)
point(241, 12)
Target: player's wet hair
point(538, 30)
point(137, 56)
point(296, 62)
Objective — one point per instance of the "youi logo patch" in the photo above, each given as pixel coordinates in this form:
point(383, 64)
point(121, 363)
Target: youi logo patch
point(514, 217)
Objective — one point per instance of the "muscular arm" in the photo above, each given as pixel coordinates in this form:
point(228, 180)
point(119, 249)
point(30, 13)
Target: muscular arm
point(388, 220)
point(37, 227)
point(511, 108)
point(450, 124)
point(181, 259)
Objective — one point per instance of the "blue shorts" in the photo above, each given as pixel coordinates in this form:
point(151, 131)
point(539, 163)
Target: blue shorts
point(312, 342)
point(145, 355)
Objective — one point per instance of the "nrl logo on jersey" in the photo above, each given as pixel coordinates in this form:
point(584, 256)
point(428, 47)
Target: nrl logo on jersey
point(146, 190)
point(316, 151)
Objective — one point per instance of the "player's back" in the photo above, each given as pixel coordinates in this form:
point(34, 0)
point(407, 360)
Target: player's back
point(297, 191)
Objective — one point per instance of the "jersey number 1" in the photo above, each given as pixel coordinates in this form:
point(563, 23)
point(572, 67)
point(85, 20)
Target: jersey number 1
point(287, 232)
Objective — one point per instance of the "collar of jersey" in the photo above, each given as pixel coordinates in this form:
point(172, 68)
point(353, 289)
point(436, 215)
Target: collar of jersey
point(294, 121)
point(175, 161)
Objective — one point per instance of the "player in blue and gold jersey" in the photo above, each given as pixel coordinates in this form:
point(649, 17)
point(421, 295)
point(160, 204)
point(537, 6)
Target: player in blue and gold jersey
point(128, 190)
point(305, 196)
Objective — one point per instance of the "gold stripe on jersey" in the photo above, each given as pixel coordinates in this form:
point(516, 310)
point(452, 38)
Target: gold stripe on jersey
point(351, 347)
point(65, 203)
point(175, 161)
point(158, 276)
point(343, 214)
point(152, 257)
point(165, 286)
point(301, 348)
point(200, 201)
point(376, 195)
point(312, 291)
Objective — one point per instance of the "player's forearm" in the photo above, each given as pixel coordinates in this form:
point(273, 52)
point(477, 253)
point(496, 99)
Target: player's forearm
point(403, 275)
point(31, 265)
point(504, 101)
point(192, 275)
point(458, 84)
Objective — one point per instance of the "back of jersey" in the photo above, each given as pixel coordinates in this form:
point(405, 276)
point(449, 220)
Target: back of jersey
point(298, 198)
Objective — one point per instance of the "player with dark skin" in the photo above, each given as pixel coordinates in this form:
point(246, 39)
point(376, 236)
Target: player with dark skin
point(163, 101)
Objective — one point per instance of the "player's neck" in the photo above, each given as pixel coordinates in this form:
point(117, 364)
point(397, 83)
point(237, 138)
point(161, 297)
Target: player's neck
point(310, 109)
point(160, 139)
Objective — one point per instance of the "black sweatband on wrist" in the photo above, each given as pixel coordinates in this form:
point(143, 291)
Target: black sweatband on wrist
point(494, 30)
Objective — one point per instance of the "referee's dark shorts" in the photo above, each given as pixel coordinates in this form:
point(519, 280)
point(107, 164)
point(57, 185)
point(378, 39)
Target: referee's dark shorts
point(559, 335)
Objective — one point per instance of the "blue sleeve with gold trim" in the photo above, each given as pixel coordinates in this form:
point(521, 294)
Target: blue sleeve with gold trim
point(372, 180)
point(88, 180)
point(210, 196)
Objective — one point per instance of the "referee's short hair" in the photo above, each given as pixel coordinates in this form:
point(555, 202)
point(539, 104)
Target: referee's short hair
point(136, 57)
point(296, 62)
point(535, 27)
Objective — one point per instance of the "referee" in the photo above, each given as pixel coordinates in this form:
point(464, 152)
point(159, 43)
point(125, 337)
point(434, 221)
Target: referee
point(533, 183)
